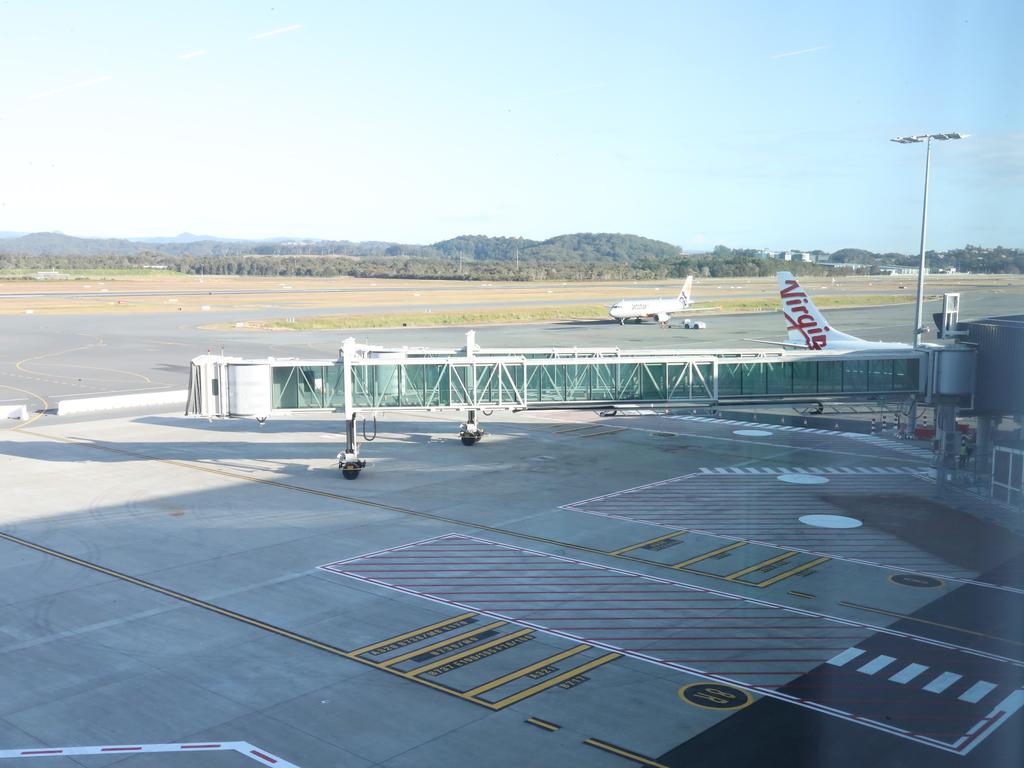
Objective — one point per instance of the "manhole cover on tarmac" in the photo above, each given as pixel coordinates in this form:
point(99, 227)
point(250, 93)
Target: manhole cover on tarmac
point(916, 580)
point(752, 432)
point(831, 521)
point(714, 696)
point(804, 479)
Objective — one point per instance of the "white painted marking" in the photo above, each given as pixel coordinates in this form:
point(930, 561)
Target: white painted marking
point(803, 479)
point(831, 521)
point(999, 715)
point(942, 682)
point(243, 748)
point(751, 432)
point(908, 673)
point(977, 692)
point(877, 663)
point(848, 655)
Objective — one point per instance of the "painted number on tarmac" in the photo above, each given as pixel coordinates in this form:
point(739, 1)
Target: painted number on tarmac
point(714, 696)
point(915, 580)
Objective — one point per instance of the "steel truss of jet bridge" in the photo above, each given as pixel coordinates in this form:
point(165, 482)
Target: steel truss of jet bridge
point(369, 381)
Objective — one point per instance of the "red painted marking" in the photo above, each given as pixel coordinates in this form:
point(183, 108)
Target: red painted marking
point(260, 755)
point(466, 582)
point(538, 610)
point(753, 648)
point(120, 749)
point(42, 752)
point(580, 575)
point(703, 625)
point(200, 746)
point(752, 673)
point(570, 595)
point(458, 569)
point(987, 723)
point(664, 638)
point(575, 599)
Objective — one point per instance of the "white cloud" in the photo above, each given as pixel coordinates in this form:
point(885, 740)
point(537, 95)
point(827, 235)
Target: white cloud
point(92, 82)
point(798, 53)
point(278, 31)
point(80, 84)
point(192, 55)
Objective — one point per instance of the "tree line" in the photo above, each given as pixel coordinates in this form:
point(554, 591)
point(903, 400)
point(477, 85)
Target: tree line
point(586, 256)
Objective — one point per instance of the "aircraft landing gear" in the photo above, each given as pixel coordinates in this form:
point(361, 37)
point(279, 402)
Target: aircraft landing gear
point(471, 432)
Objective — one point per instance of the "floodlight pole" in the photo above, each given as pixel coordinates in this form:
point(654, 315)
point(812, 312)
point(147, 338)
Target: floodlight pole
point(919, 321)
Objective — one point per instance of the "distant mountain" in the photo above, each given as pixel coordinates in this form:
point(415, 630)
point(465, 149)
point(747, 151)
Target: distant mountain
point(586, 247)
point(186, 237)
point(57, 244)
point(4, 235)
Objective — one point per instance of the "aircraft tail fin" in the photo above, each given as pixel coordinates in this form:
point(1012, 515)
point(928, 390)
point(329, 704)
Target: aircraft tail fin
point(685, 295)
point(806, 325)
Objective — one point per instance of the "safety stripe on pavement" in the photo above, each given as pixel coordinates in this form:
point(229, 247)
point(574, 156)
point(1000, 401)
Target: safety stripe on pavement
point(243, 748)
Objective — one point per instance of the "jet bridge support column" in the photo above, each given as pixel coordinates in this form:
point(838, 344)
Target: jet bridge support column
point(348, 460)
point(470, 432)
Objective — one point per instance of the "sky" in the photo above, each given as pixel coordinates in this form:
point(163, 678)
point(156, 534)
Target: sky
point(749, 124)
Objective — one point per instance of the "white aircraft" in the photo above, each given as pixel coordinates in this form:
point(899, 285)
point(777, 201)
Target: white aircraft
point(661, 309)
point(808, 328)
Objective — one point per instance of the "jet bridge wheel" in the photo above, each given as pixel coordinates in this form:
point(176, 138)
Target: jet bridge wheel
point(350, 473)
point(468, 440)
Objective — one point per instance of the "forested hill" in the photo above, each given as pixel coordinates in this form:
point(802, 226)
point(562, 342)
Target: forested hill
point(586, 247)
point(582, 247)
point(582, 256)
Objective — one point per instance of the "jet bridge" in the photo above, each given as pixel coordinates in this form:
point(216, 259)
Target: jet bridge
point(371, 381)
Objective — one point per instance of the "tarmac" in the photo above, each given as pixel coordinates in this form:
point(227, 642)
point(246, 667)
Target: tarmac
point(659, 589)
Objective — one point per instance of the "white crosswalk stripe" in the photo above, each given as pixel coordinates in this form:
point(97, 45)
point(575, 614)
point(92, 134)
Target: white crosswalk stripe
point(876, 664)
point(842, 658)
point(908, 673)
point(977, 692)
point(912, 672)
point(942, 682)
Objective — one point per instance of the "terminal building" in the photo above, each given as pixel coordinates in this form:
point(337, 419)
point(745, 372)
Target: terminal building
point(998, 404)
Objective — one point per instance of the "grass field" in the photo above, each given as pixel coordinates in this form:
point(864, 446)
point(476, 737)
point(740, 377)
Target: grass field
point(87, 275)
point(428, 302)
point(526, 315)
